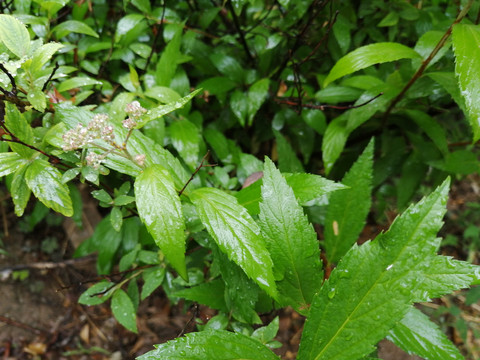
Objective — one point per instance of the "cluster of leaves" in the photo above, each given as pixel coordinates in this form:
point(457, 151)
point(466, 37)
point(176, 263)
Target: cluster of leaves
point(276, 78)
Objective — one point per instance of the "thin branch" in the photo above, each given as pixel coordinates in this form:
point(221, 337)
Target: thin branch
point(196, 171)
point(12, 80)
point(427, 61)
point(323, 107)
point(51, 76)
point(22, 325)
point(240, 32)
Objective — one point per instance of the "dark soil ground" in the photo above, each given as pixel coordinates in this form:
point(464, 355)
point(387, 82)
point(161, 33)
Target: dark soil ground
point(41, 319)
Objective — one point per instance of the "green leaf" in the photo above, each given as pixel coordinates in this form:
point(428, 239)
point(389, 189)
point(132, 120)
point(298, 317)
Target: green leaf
point(73, 26)
point(160, 210)
point(211, 345)
point(291, 240)
point(373, 286)
point(241, 293)
point(239, 106)
point(76, 82)
point(152, 278)
point(165, 109)
point(267, 333)
point(236, 233)
point(431, 127)
point(42, 55)
point(124, 310)
point(105, 240)
point(167, 65)
point(448, 82)
point(287, 159)
point(116, 218)
point(413, 173)
point(186, 140)
point(45, 181)
point(37, 99)
point(162, 94)
point(257, 93)
point(445, 275)
point(10, 162)
point(20, 190)
point(416, 334)
point(369, 55)
point(14, 35)
point(348, 209)
point(466, 40)
point(228, 66)
point(307, 187)
point(19, 126)
point(90, 297)
point(334, 141)
point(207, 293)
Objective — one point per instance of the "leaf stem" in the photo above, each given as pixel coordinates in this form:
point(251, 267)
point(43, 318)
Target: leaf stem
point(427, 61)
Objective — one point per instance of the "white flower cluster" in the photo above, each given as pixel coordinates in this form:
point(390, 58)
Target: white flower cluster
point(94, 160)
point(98, 128)
point(135, 110)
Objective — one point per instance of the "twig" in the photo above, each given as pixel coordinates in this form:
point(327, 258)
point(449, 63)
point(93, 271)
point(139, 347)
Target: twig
point(192, 318)
point(240, 32)
point(22, 325)
point(51, 76)
point(6, 271)
point(196, 171)
point(323, 107)
point(427, 61)
point(12, 80)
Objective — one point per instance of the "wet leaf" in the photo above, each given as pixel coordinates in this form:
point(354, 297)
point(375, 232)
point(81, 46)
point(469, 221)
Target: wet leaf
point(14, 35)
point(124, 310)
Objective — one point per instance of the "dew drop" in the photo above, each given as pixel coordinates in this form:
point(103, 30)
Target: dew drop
point(331, 293)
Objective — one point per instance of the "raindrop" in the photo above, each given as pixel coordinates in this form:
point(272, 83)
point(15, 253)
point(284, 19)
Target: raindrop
point(344, 274)
point(331, 293)
point(389, 267)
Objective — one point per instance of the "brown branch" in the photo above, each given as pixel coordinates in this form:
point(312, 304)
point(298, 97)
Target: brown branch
point(22, 325)
point(427, 61)
point(51, 76)
point(240, 32)
point(12, 81)
point(323, 107)
point(196, 171)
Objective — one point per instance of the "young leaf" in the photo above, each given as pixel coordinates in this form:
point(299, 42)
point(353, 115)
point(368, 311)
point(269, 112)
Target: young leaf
point(96, 294)
point(165, 109)
point(291, 240)
point(160, 209)
point(348, 209)
point(45, 181)
point(369, 55)
point(14, 35)
point(76, 82)
point(373, 286)
point(124, 310)
point(20, 190)
point(105, 240)
point(211, 345)
point(416, 334)
point(236, 233)
point(152, 278)
point(185, 139)
point(467, 68)
point(42, 55)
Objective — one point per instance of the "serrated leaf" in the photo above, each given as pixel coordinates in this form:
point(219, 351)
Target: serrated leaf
point(373, 286)
point(348, 209)
point(416, 334)
point(73, 26)
point(160, 210)
point(236, 233)
point(124, 310)
point(186, 140)
point(14, 35)
point(45, 181)
point(287, 159)
point(291, 240)
point(152, 278)
point(445, 275)
point(212, 345)
point(307, 187)
point(10, 162)
point(241, 293)
point(165, 109)
point(369, 55)
point(207, 294)
point(466, 41)
point(96, 294)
